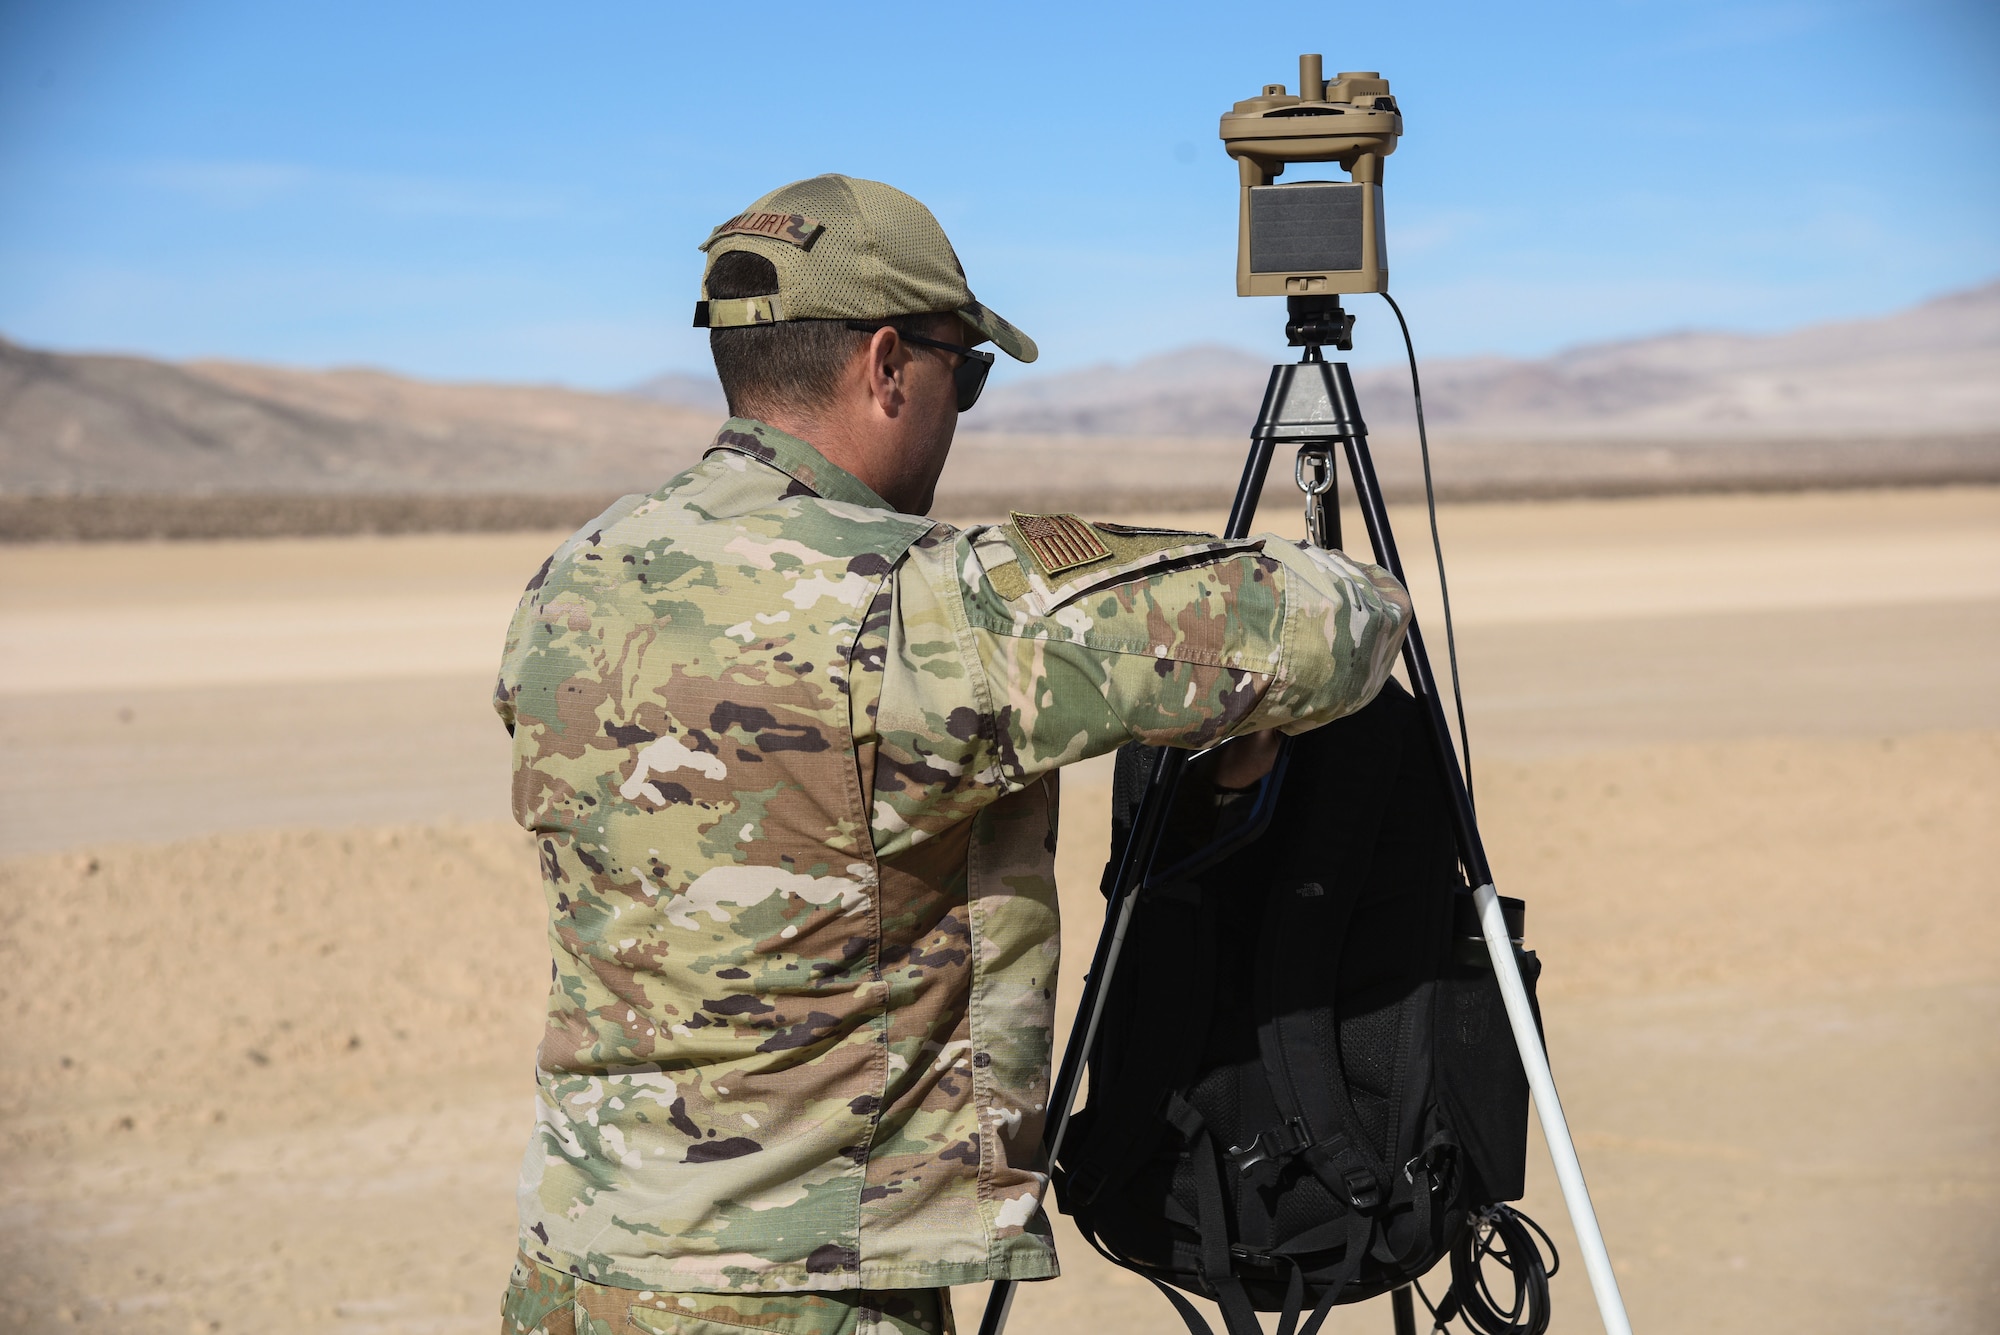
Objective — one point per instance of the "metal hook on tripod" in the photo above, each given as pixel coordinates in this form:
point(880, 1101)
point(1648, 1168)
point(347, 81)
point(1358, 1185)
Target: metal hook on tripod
point(1322, 494)
point(1319, 458)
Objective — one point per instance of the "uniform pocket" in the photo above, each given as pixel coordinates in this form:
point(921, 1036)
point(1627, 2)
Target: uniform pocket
point(870, 1312)
point(654, 1321)
point(539, 1301)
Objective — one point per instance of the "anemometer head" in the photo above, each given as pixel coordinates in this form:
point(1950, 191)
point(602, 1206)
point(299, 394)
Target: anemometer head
point(1312, 238)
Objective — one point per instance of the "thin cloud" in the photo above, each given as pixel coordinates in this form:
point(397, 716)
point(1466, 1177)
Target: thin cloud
point(1431, 230)
point(225, 185)
point(1740, 26)
point(239, 186)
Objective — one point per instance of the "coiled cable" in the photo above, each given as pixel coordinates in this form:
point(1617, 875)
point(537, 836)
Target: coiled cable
point(1509, 1240)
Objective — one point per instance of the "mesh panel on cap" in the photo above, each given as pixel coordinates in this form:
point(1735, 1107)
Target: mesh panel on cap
point(918, 270)
point(882, 253)
point(839, 278)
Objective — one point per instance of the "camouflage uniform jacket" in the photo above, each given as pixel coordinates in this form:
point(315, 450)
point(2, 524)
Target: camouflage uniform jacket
point(789, 758)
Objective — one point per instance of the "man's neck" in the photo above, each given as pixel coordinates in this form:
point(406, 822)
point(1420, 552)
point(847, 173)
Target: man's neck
point(841, 444)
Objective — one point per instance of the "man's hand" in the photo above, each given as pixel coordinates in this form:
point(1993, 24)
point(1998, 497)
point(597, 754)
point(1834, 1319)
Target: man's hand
point(1247, 759)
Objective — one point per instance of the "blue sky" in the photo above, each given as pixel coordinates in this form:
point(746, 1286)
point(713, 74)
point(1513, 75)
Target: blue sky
point(511, 191)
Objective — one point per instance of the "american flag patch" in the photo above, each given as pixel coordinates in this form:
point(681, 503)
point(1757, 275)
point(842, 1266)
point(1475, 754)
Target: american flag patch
point(1059, 542)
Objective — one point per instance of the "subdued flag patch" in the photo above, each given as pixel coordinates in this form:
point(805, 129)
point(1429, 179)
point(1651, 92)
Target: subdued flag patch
point(1059, 542)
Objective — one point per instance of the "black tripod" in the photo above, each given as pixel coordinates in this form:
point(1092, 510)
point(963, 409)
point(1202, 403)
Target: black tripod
point(1310, 404)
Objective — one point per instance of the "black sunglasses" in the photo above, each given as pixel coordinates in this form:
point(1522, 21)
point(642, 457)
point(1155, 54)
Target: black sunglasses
point(968, 377)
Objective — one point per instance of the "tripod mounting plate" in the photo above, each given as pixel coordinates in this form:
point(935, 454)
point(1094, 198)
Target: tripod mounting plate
point(1309, 402)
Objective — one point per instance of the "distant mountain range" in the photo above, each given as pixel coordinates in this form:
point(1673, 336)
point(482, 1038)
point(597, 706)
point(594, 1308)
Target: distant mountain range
point(101, 424)
point(703, 392)
point(1911, 397)
point(1931, 368)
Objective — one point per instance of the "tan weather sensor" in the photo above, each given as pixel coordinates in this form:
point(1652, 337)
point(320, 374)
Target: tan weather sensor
point(1312, 238)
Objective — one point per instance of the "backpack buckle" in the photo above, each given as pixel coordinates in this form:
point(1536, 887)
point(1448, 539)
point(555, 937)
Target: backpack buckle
point(1242, 1257)
point(1362, 1188)
point(1271, 1144)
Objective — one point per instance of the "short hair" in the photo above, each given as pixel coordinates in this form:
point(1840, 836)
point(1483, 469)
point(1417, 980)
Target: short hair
point(793, 363)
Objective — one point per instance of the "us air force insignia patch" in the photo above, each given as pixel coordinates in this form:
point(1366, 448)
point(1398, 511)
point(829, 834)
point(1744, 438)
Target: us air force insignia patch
point(1059, 542)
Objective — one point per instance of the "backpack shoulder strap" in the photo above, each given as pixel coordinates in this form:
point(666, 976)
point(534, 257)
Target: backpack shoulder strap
point(1294, 1039)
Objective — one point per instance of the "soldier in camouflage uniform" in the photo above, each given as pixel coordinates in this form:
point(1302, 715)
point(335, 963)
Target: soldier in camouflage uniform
point(789, 753)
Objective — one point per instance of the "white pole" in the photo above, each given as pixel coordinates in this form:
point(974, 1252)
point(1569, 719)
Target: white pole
point(1555, 1129)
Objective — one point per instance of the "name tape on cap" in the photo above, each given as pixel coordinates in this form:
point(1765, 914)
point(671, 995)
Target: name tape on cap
point(792, 228)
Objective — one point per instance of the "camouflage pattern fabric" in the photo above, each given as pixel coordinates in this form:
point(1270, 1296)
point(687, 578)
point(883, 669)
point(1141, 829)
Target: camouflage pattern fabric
point(543, 1301)
point(789, 758)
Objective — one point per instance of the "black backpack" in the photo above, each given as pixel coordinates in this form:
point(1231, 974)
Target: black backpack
point(1304, 1091)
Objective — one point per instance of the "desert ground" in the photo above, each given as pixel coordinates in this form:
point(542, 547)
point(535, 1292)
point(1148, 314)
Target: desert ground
point(271, 959)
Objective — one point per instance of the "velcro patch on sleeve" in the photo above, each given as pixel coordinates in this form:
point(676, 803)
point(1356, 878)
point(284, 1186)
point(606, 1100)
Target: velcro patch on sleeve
point(1059, 542)
point(792, 228)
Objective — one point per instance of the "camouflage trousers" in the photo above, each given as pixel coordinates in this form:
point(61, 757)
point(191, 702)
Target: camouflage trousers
point(542, 1301)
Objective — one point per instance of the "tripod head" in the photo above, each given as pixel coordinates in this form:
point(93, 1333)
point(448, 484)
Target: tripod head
point(1312, 238)
point(1316, 321)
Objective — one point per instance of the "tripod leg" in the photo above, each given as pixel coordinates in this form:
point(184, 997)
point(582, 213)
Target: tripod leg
point(1404, 1305)
point(999, 1304)
point(1499, 945)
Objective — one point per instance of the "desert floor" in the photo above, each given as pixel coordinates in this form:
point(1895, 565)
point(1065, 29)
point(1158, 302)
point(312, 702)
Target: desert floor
point(271, 961)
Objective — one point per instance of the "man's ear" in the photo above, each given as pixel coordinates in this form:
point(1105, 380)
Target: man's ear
point(884, 361)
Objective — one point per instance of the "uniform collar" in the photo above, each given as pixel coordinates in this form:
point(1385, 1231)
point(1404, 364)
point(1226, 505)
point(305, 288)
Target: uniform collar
point(797, 460)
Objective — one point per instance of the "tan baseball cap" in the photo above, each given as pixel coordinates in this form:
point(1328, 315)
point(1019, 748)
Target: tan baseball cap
point(847, 249)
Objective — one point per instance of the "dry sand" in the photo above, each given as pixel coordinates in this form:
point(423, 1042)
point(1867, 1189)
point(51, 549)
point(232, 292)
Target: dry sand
point(1739, 754)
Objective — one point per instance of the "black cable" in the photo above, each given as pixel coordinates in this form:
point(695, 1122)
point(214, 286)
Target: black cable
point(1508, 1238)
point(1437, 547)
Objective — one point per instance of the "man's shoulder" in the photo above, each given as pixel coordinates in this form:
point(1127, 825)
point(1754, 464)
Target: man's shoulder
point(1035, 563)
point(728, 510)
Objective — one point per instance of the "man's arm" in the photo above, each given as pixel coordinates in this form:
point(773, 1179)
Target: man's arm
point(1174, 639)
point(1183, 645)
